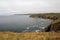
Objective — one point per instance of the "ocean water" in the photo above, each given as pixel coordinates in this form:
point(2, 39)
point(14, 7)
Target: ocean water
point(22, 23)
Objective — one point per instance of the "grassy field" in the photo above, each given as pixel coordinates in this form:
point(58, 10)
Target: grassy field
point(30, 36)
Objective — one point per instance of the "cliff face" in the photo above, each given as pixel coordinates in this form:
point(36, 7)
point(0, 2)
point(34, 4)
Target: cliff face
point(54, 26)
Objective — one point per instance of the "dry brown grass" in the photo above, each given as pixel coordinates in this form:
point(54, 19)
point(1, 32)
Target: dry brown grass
point(30, 36)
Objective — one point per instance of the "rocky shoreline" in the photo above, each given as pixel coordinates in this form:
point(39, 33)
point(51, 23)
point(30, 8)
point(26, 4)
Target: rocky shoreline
point(55, 25)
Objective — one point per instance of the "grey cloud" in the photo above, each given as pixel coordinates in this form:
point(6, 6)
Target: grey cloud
point(29, 6)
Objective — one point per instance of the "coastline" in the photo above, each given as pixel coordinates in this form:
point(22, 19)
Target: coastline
point(52, 16)
point(54, 26)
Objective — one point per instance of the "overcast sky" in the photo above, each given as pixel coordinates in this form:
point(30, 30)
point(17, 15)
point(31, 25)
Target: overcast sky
point(28, 6)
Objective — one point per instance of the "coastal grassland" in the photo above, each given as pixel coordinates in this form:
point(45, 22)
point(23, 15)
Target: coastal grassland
point(30, 36)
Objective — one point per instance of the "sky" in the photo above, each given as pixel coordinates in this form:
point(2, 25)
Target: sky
point(8, 7)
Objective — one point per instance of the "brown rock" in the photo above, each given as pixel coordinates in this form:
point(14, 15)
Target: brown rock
point(55, 26)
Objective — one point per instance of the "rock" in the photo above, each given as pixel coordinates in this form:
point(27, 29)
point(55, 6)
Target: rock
point(54, 26)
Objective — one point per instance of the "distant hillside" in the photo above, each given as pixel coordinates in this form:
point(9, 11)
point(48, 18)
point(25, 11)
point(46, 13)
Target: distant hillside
point(53, 16)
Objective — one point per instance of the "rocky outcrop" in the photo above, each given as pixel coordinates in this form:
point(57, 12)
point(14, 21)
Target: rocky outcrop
point(54, 26)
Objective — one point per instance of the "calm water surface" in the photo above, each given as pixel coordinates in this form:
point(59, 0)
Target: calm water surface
point(22, 23)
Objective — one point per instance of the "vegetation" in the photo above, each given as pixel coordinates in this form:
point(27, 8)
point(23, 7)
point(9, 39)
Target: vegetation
point(30, 36)
point(53, 16)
